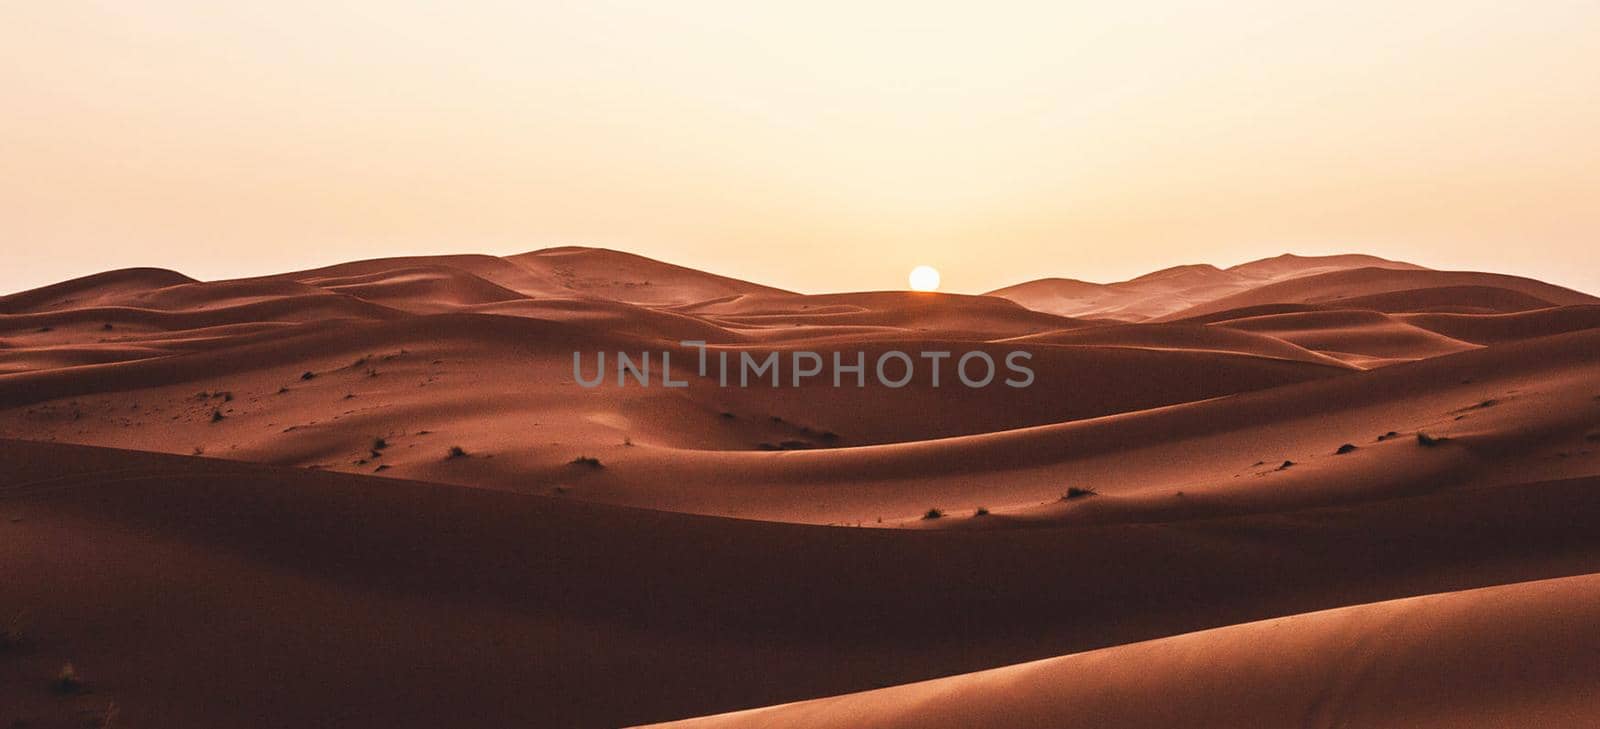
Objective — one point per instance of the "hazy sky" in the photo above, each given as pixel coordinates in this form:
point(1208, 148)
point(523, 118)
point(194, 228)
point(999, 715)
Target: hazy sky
point(827, 146)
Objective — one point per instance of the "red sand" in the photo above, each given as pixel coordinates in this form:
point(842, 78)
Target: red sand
point(693, 571)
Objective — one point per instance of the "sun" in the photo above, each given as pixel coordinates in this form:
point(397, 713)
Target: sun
point(924, 278)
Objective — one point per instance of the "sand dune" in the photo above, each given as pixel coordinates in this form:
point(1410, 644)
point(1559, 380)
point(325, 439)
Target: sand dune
point(1400, 291)
point(1175, 289)
point(396, 603)
point(1182, 337)
point(92, 290)
point(1362, 336)
point(1435, 661)
point(635, 279)
point(1494, 329)
point(373, 494)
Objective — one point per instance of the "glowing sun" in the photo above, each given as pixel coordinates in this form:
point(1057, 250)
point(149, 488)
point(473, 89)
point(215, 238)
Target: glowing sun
point(924, 278)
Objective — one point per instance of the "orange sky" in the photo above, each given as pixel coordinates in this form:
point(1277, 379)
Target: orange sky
point(828, 146)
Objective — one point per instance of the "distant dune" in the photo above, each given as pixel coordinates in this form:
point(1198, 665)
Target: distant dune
point(1397, 291)
point(1171, 290)
point(1301, 491)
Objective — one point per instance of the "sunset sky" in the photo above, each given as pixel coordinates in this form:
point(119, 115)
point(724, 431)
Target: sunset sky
point(823, 147)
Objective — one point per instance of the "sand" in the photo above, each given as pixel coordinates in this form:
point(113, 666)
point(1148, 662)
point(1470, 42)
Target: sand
point(1323, 490)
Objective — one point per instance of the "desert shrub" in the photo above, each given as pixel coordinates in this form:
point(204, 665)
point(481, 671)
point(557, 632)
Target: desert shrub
point(379, 444)
point(1346, 448)
point(933, 514)
point(1427, 440)
point(589, 461)
point(67, 680)
point(981, 512)
point(1076, 492)
point(11, 633)
point(456, 452)
point(308, 374)
point(216, 415)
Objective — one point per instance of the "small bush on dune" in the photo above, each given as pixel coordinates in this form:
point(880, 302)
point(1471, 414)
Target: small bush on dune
point(1429, 441)
point(1075, 492)
point(1346, 448)
point(589, 461)
point(216, 415)
point(933, 514)
point(981, 512)
point(11, 633)
point(67, 680)
point(456, 452)
point(308, 374)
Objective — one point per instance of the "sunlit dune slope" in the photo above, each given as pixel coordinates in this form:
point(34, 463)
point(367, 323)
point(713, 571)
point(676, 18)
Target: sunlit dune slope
point(1514, 655)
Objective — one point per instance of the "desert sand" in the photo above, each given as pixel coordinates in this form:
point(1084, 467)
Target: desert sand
point(1296, 492)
